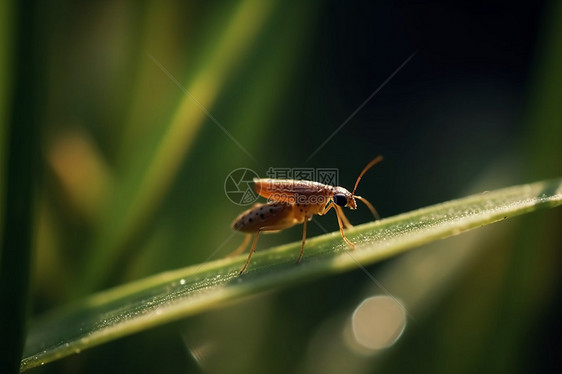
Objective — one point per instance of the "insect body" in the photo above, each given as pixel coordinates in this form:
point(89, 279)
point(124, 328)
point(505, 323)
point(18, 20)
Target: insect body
point(293, 202)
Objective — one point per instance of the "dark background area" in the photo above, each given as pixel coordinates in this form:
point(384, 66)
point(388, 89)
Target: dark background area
point(476, 108)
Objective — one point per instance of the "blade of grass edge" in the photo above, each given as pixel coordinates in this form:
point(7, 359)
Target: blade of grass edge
point(176, 294)
point(20, 171)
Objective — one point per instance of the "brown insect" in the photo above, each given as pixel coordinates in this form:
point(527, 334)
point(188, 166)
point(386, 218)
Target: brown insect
point(293, 202)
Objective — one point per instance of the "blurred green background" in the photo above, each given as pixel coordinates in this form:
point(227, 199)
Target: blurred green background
point(141, 110)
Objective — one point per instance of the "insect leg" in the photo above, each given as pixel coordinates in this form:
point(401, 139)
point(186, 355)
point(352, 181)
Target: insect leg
point(303, 240)
point(346, 222)
point(242, 246)
point(278, 227)
point(328, 206)
point(251, 251)
point(341, 230)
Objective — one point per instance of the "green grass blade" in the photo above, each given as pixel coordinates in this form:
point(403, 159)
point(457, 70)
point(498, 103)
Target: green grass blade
point(149, 175)
point(19, 125)
point(6, 57)
point(176, 294)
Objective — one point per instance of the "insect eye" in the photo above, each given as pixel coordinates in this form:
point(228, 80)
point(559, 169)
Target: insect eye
point(340, 199)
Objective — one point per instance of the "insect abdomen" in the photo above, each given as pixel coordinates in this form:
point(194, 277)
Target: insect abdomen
point(275, 216)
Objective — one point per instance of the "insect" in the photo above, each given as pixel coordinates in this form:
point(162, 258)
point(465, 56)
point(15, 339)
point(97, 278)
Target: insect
point(293, 202)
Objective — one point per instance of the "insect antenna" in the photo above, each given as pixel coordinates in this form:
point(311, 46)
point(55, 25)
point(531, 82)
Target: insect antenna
point(374, 161)
point(370, 206)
